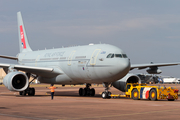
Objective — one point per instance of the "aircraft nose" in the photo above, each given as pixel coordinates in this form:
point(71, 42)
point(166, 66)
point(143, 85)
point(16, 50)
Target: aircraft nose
point(123, 67)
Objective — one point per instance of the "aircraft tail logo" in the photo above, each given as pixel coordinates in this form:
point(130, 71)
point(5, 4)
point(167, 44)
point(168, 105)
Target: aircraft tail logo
point(22, 37)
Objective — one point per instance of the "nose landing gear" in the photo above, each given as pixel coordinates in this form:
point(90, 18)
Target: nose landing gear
point(106, 94)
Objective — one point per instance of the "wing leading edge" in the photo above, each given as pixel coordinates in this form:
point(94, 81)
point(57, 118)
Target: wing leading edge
point(42, 71)
point(143, 66)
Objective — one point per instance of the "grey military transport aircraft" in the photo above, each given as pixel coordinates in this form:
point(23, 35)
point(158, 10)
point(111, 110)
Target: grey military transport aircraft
point(94, 63)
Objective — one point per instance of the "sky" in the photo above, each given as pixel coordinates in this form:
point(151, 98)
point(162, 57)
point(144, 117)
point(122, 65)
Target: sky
point(147, 30)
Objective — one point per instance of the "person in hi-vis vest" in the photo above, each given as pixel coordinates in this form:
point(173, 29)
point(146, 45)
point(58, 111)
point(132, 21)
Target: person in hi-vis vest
point(52, 90)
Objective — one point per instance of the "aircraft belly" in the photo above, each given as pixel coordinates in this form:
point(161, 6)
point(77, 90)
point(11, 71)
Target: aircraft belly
point(60, 79)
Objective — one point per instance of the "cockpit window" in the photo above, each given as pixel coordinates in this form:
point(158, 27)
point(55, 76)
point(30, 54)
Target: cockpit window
point(110, 55)
point(118, 55)
point(124, 55)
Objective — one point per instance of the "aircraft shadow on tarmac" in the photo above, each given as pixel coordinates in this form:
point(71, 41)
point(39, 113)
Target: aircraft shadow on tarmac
point(70, 94)
point(65, 94)
point(57, 93)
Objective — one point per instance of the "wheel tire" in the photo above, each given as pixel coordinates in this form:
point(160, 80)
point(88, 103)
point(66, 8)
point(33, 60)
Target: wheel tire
point(135, 94)
point(84, 91)
point(80, 91)
point(104, 95)
point(92, 92)
point(88, 92)
point(20, 93)
point(31, 92)
point(109, 95)
point(24, 93)
point(153, 95)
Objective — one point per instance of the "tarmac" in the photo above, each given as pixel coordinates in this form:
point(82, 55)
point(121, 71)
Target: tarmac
point(68, 105)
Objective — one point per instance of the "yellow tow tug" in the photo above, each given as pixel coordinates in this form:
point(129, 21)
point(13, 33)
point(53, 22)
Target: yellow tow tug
point(142, 91)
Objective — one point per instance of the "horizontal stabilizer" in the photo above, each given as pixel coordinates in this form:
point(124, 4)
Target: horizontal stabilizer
point(9, 57)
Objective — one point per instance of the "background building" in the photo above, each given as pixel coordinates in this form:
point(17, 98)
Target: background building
point(2, 75)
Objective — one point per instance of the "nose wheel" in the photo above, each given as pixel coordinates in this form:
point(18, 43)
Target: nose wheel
point(87, 91)
point(106, 94)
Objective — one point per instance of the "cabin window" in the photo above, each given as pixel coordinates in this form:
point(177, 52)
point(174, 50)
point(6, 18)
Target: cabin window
point(110, 55)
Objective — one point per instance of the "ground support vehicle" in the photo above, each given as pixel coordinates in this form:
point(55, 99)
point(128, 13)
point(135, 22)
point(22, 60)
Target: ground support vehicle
point(142, 91)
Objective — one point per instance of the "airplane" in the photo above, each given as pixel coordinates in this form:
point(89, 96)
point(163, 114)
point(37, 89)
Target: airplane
point(89, 64)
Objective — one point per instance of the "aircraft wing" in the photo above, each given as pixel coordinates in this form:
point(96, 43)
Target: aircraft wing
point(143, 66)
point(42, 71)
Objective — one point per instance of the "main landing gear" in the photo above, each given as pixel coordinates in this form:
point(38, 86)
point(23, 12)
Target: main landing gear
point(29, 91)
point(106, 93)
point(87, 91)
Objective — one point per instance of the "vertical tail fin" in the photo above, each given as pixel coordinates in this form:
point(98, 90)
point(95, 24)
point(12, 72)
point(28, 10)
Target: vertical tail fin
point(23, 41)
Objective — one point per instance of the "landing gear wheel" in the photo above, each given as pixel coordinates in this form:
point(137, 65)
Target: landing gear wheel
point(135, 94)
point(20, 93)
point(31, 92)
point(104, 95)
point(23, 93)
point(109, 94)
point(92, 92)
point(81, 91)
point(87, 91)
point(84, 91)
point(153, 95)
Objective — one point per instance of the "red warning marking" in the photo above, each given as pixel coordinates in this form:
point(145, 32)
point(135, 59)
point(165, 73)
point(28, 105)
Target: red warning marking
point(22, 37)
point(147, 94)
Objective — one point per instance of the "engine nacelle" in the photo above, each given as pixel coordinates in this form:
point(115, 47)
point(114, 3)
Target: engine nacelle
point(129, 78)
point(154, 71)
point(16, 81)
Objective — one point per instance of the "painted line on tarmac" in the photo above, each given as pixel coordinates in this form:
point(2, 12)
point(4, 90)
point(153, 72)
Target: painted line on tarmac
point(17, 116)
point(130, 114)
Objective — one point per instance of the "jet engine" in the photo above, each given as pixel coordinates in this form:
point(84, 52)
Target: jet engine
point(16, 81)
point(129, 78)
point(154, 71)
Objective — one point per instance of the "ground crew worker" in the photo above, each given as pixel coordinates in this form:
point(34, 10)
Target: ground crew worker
point(52, 91)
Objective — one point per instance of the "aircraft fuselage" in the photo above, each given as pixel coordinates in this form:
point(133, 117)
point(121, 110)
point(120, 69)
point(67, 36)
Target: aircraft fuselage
point(81, 64)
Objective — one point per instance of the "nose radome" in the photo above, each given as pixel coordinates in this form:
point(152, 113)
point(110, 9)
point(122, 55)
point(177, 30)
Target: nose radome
point(123, 67)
